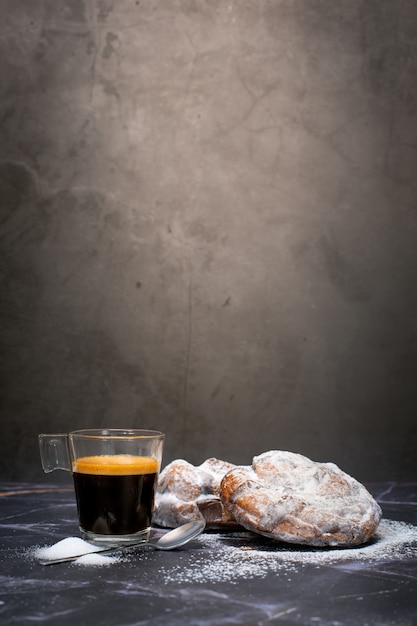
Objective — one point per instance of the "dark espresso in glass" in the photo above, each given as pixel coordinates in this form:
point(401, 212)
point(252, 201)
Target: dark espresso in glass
point(115, 493)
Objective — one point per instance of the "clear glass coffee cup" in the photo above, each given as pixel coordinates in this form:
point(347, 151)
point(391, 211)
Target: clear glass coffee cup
point(115, 473)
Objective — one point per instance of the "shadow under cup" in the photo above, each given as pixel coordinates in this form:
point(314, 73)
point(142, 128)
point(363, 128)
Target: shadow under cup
point(115, 474)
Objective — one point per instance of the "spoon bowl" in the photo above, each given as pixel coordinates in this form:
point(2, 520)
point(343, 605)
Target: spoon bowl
point(178, 536)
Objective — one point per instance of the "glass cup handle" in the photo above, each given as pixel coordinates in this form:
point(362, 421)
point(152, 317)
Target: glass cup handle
point(54, 452)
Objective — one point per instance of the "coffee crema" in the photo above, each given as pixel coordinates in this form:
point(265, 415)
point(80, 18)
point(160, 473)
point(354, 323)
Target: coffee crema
point(115, 465)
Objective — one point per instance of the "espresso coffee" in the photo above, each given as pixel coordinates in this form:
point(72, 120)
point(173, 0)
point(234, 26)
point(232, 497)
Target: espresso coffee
point(115, 493)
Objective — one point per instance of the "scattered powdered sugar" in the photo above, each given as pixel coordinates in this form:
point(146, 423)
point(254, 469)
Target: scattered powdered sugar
point(71, 546)
point(240, 555)
point(231, 556)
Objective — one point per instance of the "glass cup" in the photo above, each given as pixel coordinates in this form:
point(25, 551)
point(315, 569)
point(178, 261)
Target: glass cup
point(115, 474)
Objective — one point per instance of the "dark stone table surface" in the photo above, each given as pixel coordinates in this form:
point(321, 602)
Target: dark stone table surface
point(219, 578)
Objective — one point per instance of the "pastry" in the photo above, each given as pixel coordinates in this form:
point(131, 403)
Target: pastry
point(288, 497)
point(186, 493)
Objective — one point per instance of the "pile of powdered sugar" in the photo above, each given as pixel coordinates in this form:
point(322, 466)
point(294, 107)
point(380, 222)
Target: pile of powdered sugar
point(96, 559)
point(73, 546)
point(228, 558)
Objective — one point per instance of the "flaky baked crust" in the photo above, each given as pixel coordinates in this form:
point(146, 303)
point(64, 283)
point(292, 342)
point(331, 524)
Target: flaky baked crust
point(186, 493)
point(288, 497)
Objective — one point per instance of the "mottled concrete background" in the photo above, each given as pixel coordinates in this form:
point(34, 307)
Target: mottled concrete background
point(208, 226)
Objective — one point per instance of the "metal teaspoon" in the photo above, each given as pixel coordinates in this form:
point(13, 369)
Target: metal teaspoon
point(173, 539)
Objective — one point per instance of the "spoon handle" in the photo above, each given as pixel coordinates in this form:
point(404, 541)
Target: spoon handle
point(111, 550)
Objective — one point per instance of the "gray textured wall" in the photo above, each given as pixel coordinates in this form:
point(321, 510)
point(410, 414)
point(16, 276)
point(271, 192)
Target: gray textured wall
point(208, 226)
